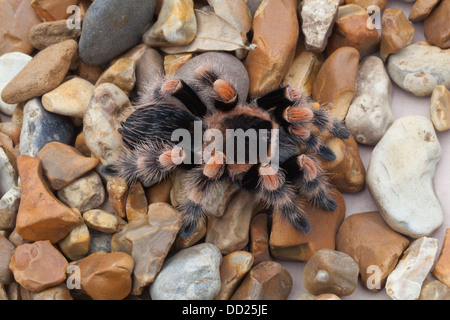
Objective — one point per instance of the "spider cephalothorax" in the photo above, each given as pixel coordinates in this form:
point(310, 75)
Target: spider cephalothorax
point(207, 99)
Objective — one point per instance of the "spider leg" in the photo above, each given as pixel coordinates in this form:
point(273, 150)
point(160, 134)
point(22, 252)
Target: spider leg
point(305, 172)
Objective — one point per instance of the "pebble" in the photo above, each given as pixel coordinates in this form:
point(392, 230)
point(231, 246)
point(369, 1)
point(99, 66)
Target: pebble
point(63, 164)
point(80, 145)
point(396, 32)
point(101, 122)
point(233, 269)
point(237, 14)
point(41, 215)
point(259, 238)
point(347, 173)
point(303, 69)
point(191, 274)
point(434, 290)
point(173, 62)
point(421, 9)
point(100, 241)
point(38, 266)
point(442, 268)
point(103, 221)
point(12, 130)
point(327, 296)
point(197, 235)
point(16, 20)
point(46, 34)
point(275, 32)
point(42, 74)
point(287, 243)
point(6, 251)
point(176, 25)
point(106, 276)
point(41, 127)
point(370, 113)
point(405, 282)
point(121, 73)
point(60, 292)
point(117, 188)
point(350, 30)
point(148, 241)
point(70, 98)
point(112, 27)
point(400, 177)
point(85, 193)
point(7, 173)
point(10, 65)
point(440, 108)
point(268, 280)
point(436, 26)
point(335, 83)
point(318, 18)
point(367, 3)
point(370, 242)
point(419, 68)
point(89, 73)
point(136, 204)
point(230, 232)
point(9, 206)
point(330, 271)
point(75, 245)
point(160, 192)
point(50, 10)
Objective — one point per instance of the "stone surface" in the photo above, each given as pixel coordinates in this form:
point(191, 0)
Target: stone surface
point(11, 130)
point(38, 266)
point(436, 26)
point(103, 221)
point(330, 271)
point(113, 26)
point(106, 276)
point(42, 74)
point(6, 251)
point(335, 83)
point(46, 34)
point(102, 122)
point(370, 242)
point(100, 241)
point(370, 113)
point(236, 13)
point(350, 30)
point(230, 232)
point(41, 215)
point(259, 238)
point(419, 68)
point(197, 235)
point(17, 18)
point(70, 98)
point(10, 65)
point(49, 10)
point(160, 192)
point(421, 9)
point(440, 108)
point(76, 244)
point(327, 296)
point(276, 32)
point(176, 25)
point(288, 243)
point(7, 173)
point(400, 177)
point(9, 205)
point(318, 17)
point(136, 204)
point(233, 268)
point(60, 292)
point(405, 282)
point(117, 188)
point(190, 274)
point(442, 267)
point(367, 3)
point(347, 173)
point(434, 290)
point(173, 62)
point(121, 73)
point(63, 164)
point(41, 127)
point(84, 193)
point(148, 241)
point(303, 70)
point(396, 32)
point(268, 280)
point(89, 73)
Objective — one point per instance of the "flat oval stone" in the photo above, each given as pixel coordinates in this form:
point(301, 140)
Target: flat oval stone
point(46, 34)
point(76, 244)
point(419, 68)
point(400, 177)
point(111, 27)
point(6, 251)
point(436, 27)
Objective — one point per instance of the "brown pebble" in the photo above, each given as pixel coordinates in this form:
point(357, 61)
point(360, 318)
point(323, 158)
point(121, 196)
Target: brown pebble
point(396, 32)
point(421, 9)
point(442, 267)
point(136, 205)
point(51, 10)
point(259, 238)
point(436, 26)
point(46, 34)
point(327, 296)
point(117, 188)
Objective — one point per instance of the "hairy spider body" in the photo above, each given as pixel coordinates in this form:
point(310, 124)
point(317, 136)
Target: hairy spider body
point(287, 121)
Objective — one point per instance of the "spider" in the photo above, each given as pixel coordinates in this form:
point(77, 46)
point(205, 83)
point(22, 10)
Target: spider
point(208, 95)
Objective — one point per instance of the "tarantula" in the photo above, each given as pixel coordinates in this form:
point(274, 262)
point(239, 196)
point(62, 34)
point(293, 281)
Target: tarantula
point(211, 98)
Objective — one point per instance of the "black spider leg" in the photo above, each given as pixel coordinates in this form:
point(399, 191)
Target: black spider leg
point(225, 96)
point(304, 172)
